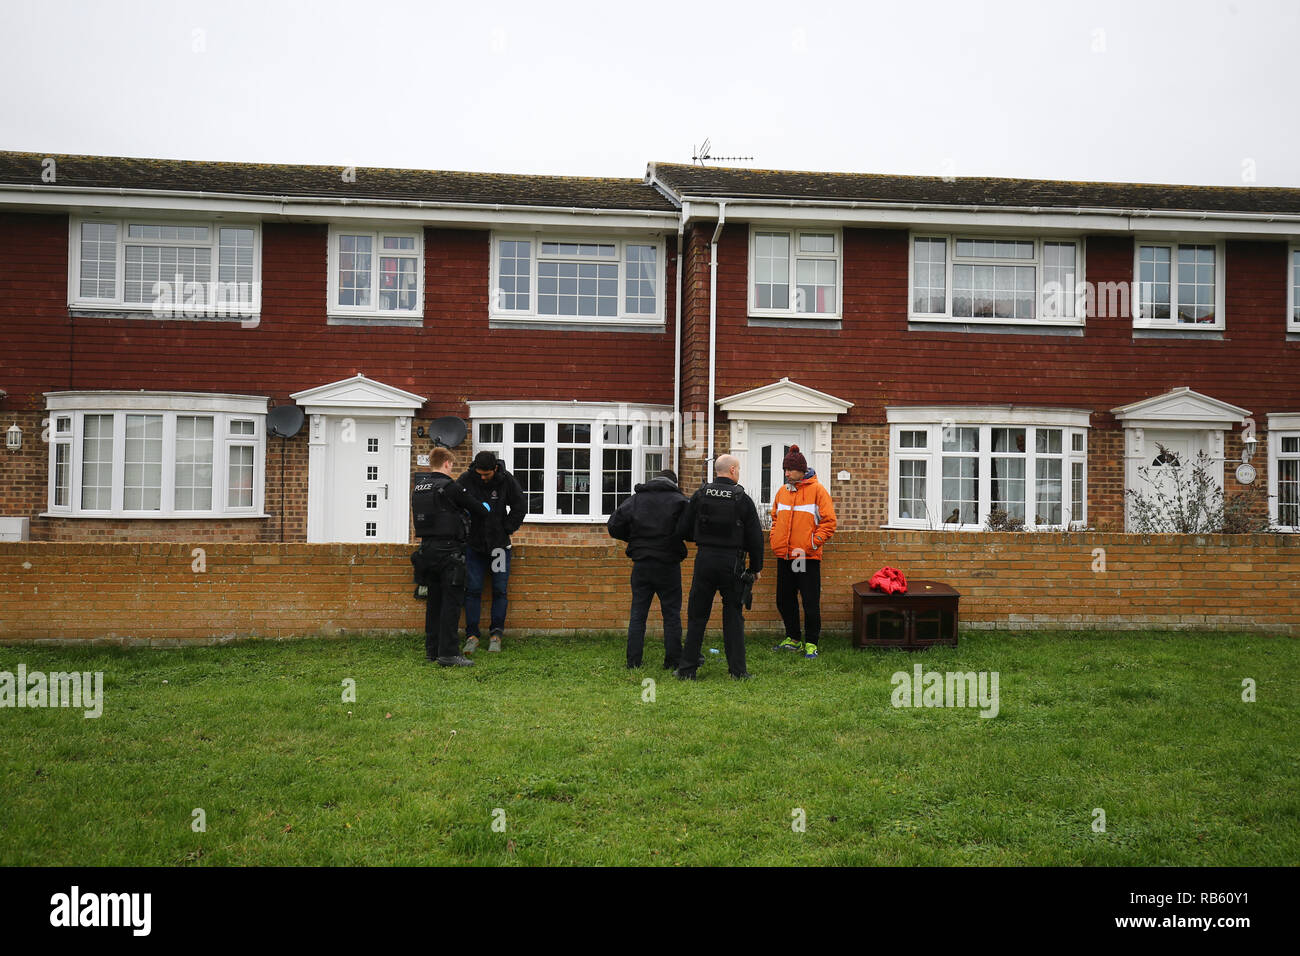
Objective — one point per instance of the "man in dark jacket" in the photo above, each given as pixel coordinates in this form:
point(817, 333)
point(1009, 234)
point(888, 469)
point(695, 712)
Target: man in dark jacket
point(723, 522)
point(498, 512)
point(440, 508)
point(648, 523)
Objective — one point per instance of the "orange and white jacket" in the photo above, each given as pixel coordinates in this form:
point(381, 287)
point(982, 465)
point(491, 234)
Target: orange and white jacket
point(802, 520)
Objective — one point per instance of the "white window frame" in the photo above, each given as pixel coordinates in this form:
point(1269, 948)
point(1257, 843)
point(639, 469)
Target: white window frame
point(1292, 287)
point(950, 246)
point(1220, 285)
point(376, 232)
point(551, 415)
point(531, 315)
point(1280, 425)
point(118, 303)
point(933, 420)
point(223, 409)
point(795, 255)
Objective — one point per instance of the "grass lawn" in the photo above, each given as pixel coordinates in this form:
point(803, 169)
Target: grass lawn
point(552, 740)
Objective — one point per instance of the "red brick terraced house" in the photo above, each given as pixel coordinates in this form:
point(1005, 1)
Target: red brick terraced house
point(939, 348)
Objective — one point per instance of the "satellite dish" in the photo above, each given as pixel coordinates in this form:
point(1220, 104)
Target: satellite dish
point(284, 421)
point(448, 431)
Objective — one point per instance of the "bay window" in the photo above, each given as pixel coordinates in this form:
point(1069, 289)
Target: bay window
point(795, 272)
point(575, 462)
point(1284, 470)
point(546, 278)
point(170, 269)
point(949, 468)
point(155, 454)
point(1178, 285)
point(997, 280)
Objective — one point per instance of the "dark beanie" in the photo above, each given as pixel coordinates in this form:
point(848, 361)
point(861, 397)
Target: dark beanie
point(485, 461)
point(669, 474)
point(794, 460)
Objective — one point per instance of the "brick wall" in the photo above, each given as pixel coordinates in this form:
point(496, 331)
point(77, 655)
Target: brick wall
point(125, 592)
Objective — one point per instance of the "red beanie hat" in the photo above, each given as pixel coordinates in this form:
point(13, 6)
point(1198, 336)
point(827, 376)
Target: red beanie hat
point(794, 460)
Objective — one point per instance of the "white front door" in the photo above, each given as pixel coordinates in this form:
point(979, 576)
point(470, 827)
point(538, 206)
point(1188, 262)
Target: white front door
point(769, 442)
point(1165, 453)
point(359, 500)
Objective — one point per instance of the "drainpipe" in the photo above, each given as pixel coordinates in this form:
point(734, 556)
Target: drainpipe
point(677, 347)
point(713, 324)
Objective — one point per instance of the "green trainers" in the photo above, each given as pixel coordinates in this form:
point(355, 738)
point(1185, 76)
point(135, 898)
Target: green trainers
point(810, 651)
point(789, 644)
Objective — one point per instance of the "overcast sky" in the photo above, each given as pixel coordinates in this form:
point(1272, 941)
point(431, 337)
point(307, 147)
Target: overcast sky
point(1191, 91)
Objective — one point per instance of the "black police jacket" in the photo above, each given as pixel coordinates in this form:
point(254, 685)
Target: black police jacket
point(492, 528)
point(648, 522)
point(721, 515)
point(440, 509)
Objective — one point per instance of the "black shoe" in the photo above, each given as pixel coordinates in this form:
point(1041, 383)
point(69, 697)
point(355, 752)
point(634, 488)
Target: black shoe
point(460, 660)
point(682, 674)
point(670, 665)
point(634, 667)
point(743, 675)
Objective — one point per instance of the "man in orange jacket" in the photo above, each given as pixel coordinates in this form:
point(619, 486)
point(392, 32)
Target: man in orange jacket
point(803, 520)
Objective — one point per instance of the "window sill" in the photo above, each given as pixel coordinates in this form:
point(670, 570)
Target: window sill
point(1075, 330)
point(1213, 333)
point(140, 517)
point(565, 519)
point(572, 325)
point(400, 321)
point(832, 324)
point(117, 312)
point(1293, 335)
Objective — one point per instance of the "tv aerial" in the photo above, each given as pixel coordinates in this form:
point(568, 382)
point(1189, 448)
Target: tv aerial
point(283, 422)
point(703, 154)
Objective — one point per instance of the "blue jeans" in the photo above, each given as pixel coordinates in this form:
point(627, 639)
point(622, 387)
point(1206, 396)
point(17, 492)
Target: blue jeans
point(477, 566)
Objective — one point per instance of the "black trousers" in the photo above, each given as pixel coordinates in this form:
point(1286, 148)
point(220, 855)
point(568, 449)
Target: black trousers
point(650, 578)
point(806, 584)
point(716, 572)
point(444, 572)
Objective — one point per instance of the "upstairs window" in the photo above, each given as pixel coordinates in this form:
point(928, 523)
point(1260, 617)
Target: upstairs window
point(795, 273)
point(577, 280)
point(1178, 285)
point(997, 280)
point(377, 273)
point(1293, 289)
point(169, 269)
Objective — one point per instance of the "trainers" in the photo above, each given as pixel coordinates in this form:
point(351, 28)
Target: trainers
point(495, 643)
point(471, 645)
point(789, 644)
point(421, 592)
point(810, 651)
point(460, 660)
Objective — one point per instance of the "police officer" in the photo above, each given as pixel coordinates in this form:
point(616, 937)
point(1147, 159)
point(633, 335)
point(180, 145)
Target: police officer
point(648, 523)
point(442, 519)
point(723, 522)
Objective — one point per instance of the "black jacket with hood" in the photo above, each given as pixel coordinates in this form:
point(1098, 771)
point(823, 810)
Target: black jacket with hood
point(648, 522)
point(492, 529)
